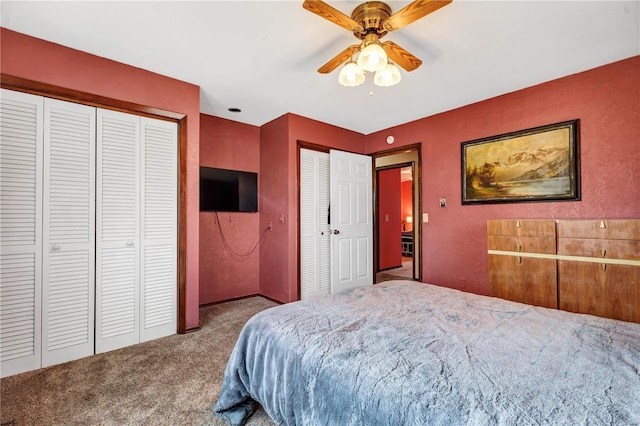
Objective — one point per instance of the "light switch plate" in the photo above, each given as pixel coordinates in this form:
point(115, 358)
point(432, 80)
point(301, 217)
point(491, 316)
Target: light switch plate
point(425, 217)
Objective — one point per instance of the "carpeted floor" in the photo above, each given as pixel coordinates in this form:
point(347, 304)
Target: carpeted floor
point(400, 273)
point(170, 381)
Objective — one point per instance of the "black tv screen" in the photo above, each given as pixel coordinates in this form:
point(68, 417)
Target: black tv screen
point(224, 190)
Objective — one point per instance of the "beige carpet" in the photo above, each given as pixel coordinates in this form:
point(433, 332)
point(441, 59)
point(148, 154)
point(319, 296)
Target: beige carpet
point(400, 273)
point(169, 381)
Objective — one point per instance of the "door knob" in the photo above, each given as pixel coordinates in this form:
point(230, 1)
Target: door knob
point(336, 232)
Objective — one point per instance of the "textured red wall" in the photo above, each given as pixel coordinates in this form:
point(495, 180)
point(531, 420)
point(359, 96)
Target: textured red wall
point(607, 102)
point(275, 258)
point(407, 202)
point(389, 219)
point(45, 62)
point(279, 195)
point(231, 145)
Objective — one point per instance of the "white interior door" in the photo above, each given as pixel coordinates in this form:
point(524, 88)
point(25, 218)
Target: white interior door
point(351, 221)
point(21, 150)
point(68, 283)
point(117, 230)
point(315, 240)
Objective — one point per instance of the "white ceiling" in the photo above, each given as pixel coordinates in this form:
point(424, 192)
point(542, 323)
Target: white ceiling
point(262, 56)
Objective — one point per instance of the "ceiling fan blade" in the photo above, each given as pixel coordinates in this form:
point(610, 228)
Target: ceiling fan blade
point(327, 12)
point(400, 56)
point(340, 58)
point(412, 12)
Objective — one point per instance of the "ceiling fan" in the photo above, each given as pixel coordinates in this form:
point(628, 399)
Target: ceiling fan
point(369, 22)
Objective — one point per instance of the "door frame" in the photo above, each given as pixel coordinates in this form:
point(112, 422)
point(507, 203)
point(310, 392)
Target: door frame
point(407, 155)
point(323, 148)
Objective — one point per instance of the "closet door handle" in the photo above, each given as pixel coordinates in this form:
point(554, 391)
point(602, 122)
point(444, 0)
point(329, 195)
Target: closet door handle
point(129, 243)
point(55, 247)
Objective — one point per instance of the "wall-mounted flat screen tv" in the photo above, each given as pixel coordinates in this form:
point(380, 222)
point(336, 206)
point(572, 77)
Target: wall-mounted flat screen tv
point(224, 190)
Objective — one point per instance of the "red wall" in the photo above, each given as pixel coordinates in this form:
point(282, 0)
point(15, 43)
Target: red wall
point(407, 203)
point(231, 145)
point(607, 102)
point(279, 195)
point(45, 62)
point(275, 258)
point(605, 99)
point(389, 219)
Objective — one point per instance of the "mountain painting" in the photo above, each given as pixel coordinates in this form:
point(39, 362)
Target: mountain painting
point(532, 165)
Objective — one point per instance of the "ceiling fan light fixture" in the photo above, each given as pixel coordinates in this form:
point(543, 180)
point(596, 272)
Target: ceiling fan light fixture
point(388, 76)
point(351, 75)
point(369, 22)
point(372, 57)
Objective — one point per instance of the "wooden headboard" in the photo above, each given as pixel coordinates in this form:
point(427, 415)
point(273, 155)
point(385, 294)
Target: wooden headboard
point(587, 266)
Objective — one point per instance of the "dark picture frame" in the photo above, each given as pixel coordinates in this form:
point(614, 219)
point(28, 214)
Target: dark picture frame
point(537, 164)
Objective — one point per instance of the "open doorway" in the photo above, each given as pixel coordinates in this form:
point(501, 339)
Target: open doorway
point(397, 208)
point(395, 224)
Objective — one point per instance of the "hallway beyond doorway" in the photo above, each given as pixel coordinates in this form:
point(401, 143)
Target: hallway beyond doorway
point(404, 272)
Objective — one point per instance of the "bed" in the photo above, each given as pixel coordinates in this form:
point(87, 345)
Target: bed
point(408, 353)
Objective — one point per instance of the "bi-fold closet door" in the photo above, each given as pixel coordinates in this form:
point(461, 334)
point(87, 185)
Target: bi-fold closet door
point(136, 222)
point(315, 237)
point(47, 231)
point(21, 155)
point(68, 267)
point(79, 276)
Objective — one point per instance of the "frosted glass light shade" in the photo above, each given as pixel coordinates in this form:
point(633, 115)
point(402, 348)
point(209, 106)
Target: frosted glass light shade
point(388, 76)
point(372, 57)
point(351, 75)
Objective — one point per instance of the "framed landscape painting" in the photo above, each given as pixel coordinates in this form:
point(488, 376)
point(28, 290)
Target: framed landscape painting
point(539, 164)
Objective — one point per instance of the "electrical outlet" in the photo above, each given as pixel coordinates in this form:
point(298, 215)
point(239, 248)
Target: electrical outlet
point(270, 225)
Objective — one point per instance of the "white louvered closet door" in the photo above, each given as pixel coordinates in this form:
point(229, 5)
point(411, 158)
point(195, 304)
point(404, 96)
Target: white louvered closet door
point(315, 248)
point(68, 283)
point(159, 229)
point(117, 230)
point(21, 126)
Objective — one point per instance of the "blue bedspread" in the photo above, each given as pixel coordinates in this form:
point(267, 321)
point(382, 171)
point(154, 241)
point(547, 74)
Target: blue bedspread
point(406, 353)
